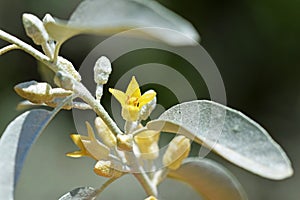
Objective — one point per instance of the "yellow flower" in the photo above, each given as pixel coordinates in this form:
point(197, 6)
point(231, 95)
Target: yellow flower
point(178, 149)
point(107, 137)
point(77, 139)
point(89, 146)
point(132, 101)
point(147, 142)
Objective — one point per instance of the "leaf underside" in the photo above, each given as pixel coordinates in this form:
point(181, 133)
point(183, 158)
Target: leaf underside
point(211, 180)
point(106, 17)
point(16, 142)
point(229, 133)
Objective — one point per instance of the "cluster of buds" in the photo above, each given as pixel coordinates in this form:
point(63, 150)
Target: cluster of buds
point(107, 147)
point(35, 29)
point(110, 149)
point(97, 149)
point(136, 107)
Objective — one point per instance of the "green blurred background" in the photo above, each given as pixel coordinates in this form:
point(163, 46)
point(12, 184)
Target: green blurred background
point(255, 45)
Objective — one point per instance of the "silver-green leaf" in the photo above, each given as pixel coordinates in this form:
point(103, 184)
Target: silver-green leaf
point(229, 133)
point(81, 193)
point(211, 180)
point(16, 142)
point(109, 17)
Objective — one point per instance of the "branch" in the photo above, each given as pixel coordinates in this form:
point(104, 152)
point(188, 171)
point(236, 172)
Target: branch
point(84, 94)
point(8, 48)
point(146, 183)
point(106, 184)
point(28, 49)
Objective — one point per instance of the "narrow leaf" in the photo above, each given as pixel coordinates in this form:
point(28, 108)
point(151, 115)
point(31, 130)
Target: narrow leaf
point(109, 17)
point(229, 133)
point(81, 193)
point(209, 179)
point(15, 144)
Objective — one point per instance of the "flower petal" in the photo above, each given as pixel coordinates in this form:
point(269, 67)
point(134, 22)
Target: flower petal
point(133, 89)
point(119, 95)
point(75, 154)
point(146, 98)
point(130, 113)
point(91, 134)
point(107, 137)
point(77, 140)
point(95, 148)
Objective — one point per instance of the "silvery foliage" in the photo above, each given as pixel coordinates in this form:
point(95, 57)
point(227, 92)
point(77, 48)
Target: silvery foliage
point(81, 193)
point(227, 132)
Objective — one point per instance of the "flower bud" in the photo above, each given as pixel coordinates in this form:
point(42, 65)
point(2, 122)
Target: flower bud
point(102, 70)
point(178, 149)
point(107, 137)
point(55, 102)
point(151, 198)
point(60, 92)
point(34, 91)
point(62, 79)
point(147, 109)
point(98, 150)
point(35, 29)
point(124, 142)
point(147, 142)
point(106, 169)
point(39, 93)
point(49, 47)
point(67, 67)
point(48, 18)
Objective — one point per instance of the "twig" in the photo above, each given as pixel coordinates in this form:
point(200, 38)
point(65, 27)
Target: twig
point(84, 94)
point(28, 49)
point(106, 184)
point(8, 48)
point(159, 176)
point(148, 186)
point(82, 91)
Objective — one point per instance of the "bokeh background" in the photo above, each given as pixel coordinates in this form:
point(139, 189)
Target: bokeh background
point(255, 45)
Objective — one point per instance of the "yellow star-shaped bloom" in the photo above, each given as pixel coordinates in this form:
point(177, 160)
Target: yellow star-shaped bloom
point(132, 101)
point(89, 146)
point(77, 139)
